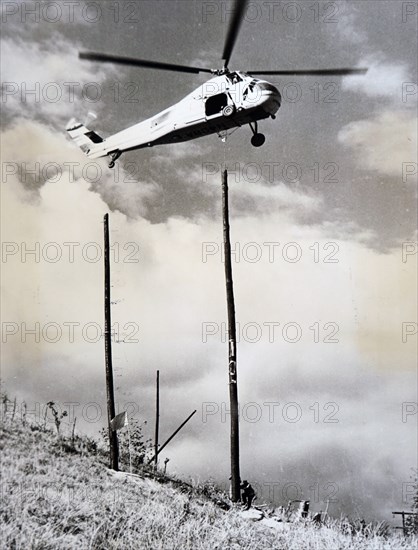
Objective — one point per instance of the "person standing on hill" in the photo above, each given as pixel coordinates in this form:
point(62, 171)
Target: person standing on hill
point(247, 494)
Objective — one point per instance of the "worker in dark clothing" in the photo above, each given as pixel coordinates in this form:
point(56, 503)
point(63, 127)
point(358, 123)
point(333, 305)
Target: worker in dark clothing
point(305, 508)
point(317, 519)
point(247, 494)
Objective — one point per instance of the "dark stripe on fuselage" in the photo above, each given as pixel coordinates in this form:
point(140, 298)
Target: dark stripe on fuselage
point(206, 128)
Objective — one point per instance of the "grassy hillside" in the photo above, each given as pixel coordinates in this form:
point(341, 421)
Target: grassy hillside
point(58, 495)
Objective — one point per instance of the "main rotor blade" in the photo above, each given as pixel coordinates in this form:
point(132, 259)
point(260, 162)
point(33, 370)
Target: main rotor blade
point(120, 60)
point(239, 9)
point(318, 72)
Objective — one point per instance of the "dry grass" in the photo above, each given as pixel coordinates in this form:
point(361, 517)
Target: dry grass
point(53, 496)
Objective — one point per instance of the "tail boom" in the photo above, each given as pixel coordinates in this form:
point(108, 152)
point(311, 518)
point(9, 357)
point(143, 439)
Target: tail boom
point(89, 142)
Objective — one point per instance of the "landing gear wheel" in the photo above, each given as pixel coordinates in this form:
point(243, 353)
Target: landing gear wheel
point(114, 157)
point(258, 139)
point(228, 110)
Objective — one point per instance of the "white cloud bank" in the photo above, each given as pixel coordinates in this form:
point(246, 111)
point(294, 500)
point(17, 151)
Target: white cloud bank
point(384, 143)
point(38, 81)
point(170, 293)
point(383, 79)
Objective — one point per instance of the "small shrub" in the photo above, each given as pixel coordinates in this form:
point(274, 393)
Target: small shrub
point(411, 522)
point(132, 446)
point(57, 417)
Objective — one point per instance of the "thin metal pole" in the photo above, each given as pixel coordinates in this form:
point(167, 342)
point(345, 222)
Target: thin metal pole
point(232, 347)
point(171, 436)
point(113, 438)
point(157, 419)
point(73, 432)
point(129, 446)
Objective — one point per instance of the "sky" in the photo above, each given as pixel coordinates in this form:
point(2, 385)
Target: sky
point(323, 229)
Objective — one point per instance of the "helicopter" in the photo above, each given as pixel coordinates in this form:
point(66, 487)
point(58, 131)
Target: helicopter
point(230, 99)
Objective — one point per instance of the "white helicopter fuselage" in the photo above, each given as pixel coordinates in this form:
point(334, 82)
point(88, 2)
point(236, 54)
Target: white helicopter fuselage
point(223, 102)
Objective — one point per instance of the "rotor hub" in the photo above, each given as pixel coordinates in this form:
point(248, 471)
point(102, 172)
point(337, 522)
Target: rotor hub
point(220, 72)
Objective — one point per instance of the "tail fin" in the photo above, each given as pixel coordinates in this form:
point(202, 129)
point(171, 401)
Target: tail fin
point(86, 139)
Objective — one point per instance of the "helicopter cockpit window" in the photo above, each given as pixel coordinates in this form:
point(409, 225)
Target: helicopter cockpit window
point(249, 88)
point(215, 104)
point(234, 78)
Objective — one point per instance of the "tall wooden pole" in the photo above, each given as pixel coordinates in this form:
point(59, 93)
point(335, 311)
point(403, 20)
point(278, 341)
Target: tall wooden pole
point(232, 348)
point(157, 420)
point(113, 438)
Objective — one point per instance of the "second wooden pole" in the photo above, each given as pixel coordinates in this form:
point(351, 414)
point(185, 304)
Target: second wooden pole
point(232, 346)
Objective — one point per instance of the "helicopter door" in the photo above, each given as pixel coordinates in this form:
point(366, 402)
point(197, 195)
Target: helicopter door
point(215, 104)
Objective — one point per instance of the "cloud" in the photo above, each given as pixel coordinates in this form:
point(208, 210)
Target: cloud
point(347, 25)
point(37, 80)
point(51, 157)
point(21, 16)
point(383, 79)
point(266, 197)
point(384, 143)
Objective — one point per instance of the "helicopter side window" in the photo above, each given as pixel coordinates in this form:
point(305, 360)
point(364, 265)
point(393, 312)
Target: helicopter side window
point(215, 104)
